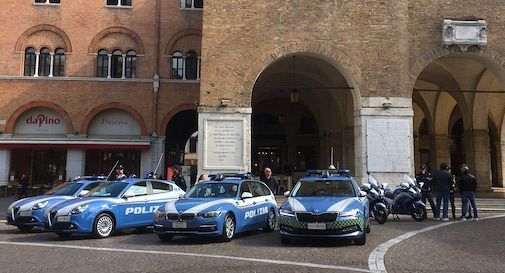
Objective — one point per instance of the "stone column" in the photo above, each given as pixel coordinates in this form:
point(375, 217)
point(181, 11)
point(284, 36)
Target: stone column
point(482, 159)
point(123, 68)
point(383, 139)
point(151, 157)
point(109, 65)
point(417, 153)
point(51, 67)
point(5, 164)
point(224, 139)
point(501, 164)
point(76, 160)
point(37, 60)
point(442, 151)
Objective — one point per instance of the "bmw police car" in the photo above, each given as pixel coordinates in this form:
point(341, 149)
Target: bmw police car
point(128, 203)
point(325, 203)
point(226, 205)
point(28, 213)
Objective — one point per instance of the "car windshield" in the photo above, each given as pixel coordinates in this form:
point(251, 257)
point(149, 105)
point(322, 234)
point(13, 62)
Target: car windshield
point(111, 189)
point(324, 188)
point(65, 189)
point(213, 190)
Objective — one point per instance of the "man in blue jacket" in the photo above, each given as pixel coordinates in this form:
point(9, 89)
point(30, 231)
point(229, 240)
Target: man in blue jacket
point(467, 187)
point(442, 182)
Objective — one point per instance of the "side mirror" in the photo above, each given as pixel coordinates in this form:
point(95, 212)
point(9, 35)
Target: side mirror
point(246, 195)
point(82, 193)
point(362, 194)
point(128, 194)
point(286, 194)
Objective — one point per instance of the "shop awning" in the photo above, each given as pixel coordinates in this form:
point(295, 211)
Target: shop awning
point(75, 144)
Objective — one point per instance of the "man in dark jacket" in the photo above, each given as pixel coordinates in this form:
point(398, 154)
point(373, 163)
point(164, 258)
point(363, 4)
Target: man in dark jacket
point(270, 181)
point(424, 179)
point(442, 182)
point(467, 187)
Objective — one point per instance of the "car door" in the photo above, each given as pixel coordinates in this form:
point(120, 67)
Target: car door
point(247, 207)
point(159, 194)
point(133, 208)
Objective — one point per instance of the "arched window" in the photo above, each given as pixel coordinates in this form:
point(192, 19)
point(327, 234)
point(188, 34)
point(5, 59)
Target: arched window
point(191, 4)
point(30, 61)
point(177, 65)
point(117, 64)
point(131, 64)
point(102, 66)
point(59, 63)
point(44, 62)
point(191, 66)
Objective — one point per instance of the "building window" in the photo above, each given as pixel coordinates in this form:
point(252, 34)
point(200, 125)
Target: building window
point(30, 59)
point(191, 66)
point(131, 64)
point(191, 4)
point(185, 67)
point(117, 64)
point(177, 65)
point(47, 1)
point(102, 66)
point(59, 63)
point(119, 3)
point(44, 62)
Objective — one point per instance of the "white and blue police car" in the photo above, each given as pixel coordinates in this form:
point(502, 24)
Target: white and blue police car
point(325, 203)
point(28, 213)
point(225, 205)
point(124, 204)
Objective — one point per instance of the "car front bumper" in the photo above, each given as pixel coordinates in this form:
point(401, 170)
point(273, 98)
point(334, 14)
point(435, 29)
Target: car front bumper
point(348, 228)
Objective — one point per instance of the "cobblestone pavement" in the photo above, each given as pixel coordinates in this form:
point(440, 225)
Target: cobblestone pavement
point(463, 247)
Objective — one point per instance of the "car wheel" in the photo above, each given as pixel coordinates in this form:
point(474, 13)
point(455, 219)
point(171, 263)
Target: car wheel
point(103, 225)
point(285, 240)
point(228, 228)
point(361, 240)
point(166, 237)
point(25, 228)
point(272, 221)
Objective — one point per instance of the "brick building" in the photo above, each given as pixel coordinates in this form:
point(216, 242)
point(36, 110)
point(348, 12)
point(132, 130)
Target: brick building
point(292, 85)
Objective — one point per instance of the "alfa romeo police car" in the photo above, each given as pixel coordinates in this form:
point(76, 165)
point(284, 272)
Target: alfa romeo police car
point(28, 213)
point(128, 203)
point(226, 205)
point(325, 203)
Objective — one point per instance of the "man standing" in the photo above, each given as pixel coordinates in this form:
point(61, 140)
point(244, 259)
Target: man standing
point(467, 187)
point(424, 177)
point(442, 182)
point(120, 173)
point(270, 181)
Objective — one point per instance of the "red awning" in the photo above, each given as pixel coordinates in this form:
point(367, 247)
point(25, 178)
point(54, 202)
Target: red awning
point(78, 145)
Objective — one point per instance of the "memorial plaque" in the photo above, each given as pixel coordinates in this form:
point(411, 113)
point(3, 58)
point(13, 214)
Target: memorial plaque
point(224, 147)
point(388, 145)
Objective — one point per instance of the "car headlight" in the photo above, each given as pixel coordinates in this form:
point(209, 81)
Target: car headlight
point(79, 209)
point(210, 214)
point(39, 205)
point(160, 215)
point(285, 212)
point(351, 213)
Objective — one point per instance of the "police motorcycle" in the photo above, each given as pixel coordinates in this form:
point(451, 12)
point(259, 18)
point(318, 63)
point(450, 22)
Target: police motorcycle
point(406, 200)
point(375, 194)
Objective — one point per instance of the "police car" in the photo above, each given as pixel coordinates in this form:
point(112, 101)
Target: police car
point(128, 203)
point(325, 203)
point(28, 213)
point(225, 205)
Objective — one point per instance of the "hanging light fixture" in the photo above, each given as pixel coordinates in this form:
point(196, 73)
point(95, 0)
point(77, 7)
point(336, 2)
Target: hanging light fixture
point(294, 92)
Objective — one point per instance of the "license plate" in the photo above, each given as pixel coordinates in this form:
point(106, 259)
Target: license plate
point(180, 225)
point(63, 218)
point(25, 213)
point(317, 226)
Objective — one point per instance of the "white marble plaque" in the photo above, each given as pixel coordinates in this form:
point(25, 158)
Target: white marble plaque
point(388, 145)
point(224, 147)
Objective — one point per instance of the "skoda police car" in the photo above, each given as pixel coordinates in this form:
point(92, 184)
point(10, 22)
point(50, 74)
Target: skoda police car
point(128, 203)
point(225, 205)
point(325, 203)
point(28, 213)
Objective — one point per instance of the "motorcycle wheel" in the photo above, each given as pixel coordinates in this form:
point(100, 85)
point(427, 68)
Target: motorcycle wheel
point(419, 214)
point(381, 215)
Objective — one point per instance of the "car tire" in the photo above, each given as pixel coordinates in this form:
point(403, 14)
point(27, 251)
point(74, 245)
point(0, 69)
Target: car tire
point(271, 221)
point(285, 240)
point(25, 228)
point(361, 240)
point(103, 226)
point(166, 237)
point(228, 228)
point(368, 228)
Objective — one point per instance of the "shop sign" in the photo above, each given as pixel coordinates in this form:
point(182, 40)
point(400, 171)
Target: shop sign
point(114, 122)
point(40, 121)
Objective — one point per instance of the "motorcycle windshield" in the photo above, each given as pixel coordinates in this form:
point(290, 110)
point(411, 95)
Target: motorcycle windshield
point(373, 182)
point(409, 180)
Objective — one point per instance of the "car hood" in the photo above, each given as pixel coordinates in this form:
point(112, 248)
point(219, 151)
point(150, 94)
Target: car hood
point(27, 203)
point(68, 205)
point(320, 204)
point(196, 205)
